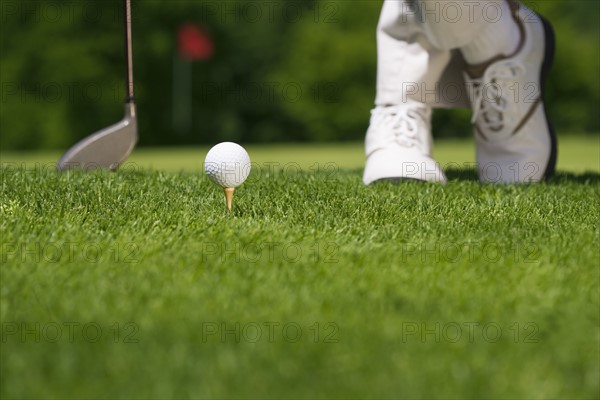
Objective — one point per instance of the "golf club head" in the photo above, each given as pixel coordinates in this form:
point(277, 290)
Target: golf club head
point(107, 148)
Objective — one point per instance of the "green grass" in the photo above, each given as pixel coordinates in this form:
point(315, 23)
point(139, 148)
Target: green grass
point(400, 290)
point(578, 153)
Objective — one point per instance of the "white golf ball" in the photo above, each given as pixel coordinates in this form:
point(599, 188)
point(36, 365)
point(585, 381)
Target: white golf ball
point(227, 164)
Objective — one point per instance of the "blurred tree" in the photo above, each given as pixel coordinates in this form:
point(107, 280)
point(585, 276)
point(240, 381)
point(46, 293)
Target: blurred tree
point(574, 89)
point(282, 71)
point(333, 58)
point(58, 71)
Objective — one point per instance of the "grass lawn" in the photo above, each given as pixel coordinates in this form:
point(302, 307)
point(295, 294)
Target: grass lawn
point(139, 284)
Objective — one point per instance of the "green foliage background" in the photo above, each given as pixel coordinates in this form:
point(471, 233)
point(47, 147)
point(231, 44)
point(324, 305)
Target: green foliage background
point(282, 70)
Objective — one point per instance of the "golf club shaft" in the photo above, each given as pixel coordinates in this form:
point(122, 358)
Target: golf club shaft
point(128, 50)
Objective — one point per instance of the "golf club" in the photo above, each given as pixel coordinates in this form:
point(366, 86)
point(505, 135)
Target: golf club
point(109, 147)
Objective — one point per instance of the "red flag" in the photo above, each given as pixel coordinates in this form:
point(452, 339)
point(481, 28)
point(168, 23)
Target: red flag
point(194, 43)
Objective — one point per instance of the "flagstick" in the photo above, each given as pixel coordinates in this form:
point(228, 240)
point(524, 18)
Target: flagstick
point(229, 197)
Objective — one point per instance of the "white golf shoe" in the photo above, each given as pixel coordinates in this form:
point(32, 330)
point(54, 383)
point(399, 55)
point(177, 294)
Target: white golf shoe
point(398, 145)
point(515, 141)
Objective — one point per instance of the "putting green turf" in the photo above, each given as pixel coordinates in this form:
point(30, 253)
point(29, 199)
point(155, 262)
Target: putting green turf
point(138, 284)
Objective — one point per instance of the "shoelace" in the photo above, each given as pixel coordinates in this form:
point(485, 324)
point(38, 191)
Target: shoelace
point(402, 121)
point(494, 106)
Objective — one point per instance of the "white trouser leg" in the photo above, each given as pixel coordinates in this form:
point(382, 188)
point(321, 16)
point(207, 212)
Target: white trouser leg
point(453, 24)
point(410, 65)
point(480, 29)
point(417, 44)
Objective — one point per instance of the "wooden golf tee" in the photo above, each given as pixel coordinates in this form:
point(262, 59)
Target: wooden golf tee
point(229, 197)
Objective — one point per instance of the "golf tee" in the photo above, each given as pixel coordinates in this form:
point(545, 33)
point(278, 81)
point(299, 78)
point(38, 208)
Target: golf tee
point(229, 197)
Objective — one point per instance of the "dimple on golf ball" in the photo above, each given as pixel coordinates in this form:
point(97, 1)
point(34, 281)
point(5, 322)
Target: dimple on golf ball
point(227, 164)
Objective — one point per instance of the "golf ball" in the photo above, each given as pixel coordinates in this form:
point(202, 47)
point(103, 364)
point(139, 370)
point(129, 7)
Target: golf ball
point(227, 164)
